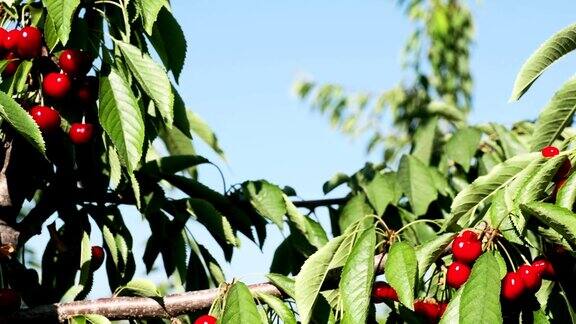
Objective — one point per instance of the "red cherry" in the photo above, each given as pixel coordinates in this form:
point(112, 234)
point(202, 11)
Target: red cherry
point(468, 235)
point(47, 118)
point(86, 91)
point(74, 62)
point(466, 251)
point(205, 319)
point(457, 274)
point(512, 286)
point(56, 85)
point(544, 268)
point(442, 308)
point(530, 277)
point(12, 66)
point(81, 133)
point(97, 257)
point(564, 170)
point(9, 301)
point(29, 43)
point(382, 291)
point(3, 34)
point(11, 40)
point(550, 151)
point(428, 309)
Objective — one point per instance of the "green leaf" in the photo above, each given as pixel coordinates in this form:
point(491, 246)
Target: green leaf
point(148, 10)
point(239, 306)
point(287, 285)
point(201, 128)
point(540, 317)
point(313, 232)
point(96, 319)
point(357, 278)
point(510, 141)
point(562, 220)
point(355, 209)
point(452, 313)
point(121, 118)
point(71, 294)
point(379, 193)
point(480, 301)
point(152, 78)
point(18, 81)
point(337, 180)
point(21, 121)
point(172, 164)
point(61, 13)
point(85, 258)
point(216, 223)
point(567, 193)
point(138, 287)
point(463, 145)
point(423, 144)
point(267, 199)
point(554, 48)
point(534, 188)
point(401, 271)
point(555, 116)
point(484, 187)
point(279, 307)
point(417, 184)
point(427, 253)
point(50, 34)
point(311, 276)
point(169, 41)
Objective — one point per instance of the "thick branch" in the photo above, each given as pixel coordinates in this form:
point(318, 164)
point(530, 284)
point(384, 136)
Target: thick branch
point(141, 307)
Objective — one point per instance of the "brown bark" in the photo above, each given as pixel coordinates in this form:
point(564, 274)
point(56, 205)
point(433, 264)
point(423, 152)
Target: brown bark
point(115, 308)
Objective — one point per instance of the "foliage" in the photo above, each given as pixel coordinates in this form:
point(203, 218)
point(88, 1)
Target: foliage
point(439, 175)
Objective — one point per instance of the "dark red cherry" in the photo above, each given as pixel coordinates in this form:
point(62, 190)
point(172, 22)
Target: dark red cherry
point(9, 301)
point(205, 319)
point(29, 44)
point(531, 277)
point(457, 274)
point(512, 286)
point(97, 257)
point(381, 291)
point(56, 85)
point(550, 151)
point(11, 40)
point(81, 133)
point(466, 251)
point(74, 62)
point(47, 118)
point(12, 66)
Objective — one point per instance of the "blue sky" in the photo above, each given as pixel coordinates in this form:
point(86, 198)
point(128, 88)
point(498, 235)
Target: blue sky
point(243, 57)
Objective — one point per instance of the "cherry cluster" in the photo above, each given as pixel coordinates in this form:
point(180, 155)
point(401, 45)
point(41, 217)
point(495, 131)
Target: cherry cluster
point(429, 308)
point(466, 248)
point(70, 82)
point(527, 279)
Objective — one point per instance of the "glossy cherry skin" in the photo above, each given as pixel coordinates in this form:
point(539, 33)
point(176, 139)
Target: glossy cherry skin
point(12, 66)
point(550, 151)
point(97, 257)
point(205, 319)
point(428, 309)
point(9, 301)
point(81, 133)
point(512, 286)
point(11, 40)
point(468, 235)
point(47, 118)
point(74, 62)
point(544, 268)
point(56, 85)
point(86, 91)
point(3, 34)
point(29, 43)
point(530, 277)
point(466, 251)
point(457, 274)
point(382, 291)
point(442, 309)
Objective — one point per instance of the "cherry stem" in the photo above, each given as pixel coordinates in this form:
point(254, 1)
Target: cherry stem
point(507, 255)
point(520, 253)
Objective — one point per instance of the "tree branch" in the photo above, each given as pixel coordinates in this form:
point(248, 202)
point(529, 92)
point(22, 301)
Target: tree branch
point(116, 308)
